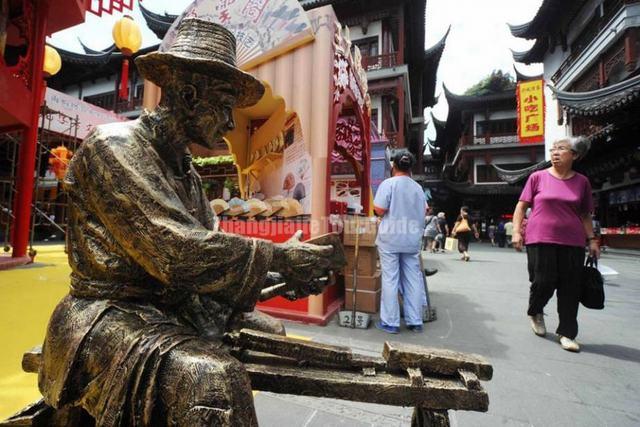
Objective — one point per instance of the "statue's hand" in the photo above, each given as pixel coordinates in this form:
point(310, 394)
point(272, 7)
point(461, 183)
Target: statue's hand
point(301, 262)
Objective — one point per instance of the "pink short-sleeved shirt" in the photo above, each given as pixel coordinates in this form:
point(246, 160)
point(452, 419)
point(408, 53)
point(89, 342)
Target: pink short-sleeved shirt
point(557, 208)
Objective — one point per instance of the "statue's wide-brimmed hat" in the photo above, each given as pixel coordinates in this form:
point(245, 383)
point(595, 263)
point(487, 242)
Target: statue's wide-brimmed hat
point(202, 47)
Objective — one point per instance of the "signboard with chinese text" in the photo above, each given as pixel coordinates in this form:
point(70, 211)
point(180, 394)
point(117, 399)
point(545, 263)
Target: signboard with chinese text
point(88, 115)
point(530, 98)
point(263, 29)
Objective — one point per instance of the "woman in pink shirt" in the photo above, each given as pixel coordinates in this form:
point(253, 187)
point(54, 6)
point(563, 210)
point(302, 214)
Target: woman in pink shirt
point(557, 229)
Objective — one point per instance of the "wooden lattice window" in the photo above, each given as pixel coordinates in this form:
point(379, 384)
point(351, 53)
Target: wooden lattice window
point(614, 64)
point(589, 80)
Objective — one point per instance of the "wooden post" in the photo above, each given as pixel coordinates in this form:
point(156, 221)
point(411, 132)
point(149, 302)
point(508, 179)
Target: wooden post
point(630, 51)
point(27, 157)
point(400, 96)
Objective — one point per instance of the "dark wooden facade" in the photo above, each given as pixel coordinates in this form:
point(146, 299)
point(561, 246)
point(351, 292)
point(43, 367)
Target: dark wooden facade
point(479, 135)
point(598, 97)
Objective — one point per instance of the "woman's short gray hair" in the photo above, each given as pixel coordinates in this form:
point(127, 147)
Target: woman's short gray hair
point(440, 214)
point(578, 144)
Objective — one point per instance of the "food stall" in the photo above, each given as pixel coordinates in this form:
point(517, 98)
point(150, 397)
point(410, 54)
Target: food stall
point(282, 147)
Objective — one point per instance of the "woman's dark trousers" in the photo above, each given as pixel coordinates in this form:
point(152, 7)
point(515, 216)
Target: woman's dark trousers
point(556, 268)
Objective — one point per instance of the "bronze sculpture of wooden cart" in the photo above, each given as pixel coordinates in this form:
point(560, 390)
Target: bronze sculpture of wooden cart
point(431, 380)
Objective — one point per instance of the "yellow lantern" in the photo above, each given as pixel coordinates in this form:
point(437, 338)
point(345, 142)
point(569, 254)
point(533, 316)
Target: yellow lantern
point(52, 62)
point(127, 35)
point(128, 38)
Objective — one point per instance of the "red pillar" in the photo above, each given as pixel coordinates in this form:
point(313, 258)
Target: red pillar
point(27, 155)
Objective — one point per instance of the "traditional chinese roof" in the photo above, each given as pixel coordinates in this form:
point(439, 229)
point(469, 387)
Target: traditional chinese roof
point(80, 67)
point(439, 124)
point(431, 62)
point(90, 51)
point(157, 23)
point(546, 20)
point(498, 100)
point(534, 54)
point(523, 77)
point(608, 100)
point(549, 21)
point(97, 58)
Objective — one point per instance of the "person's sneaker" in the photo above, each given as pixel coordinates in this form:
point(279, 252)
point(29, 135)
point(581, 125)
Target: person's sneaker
point(537, 324)
point(415, 328)
point(569, 344)
point(386, 328)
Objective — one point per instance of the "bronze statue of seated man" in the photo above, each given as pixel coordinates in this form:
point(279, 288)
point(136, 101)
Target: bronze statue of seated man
point(153, 287)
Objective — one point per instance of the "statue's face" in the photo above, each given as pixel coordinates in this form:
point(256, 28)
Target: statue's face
point(207, 106)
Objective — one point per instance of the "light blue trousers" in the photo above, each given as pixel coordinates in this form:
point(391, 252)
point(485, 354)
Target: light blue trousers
point(401, 274)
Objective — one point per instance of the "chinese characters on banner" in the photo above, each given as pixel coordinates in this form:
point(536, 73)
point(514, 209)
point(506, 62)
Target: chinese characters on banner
point(530, 98)
point(88, 115)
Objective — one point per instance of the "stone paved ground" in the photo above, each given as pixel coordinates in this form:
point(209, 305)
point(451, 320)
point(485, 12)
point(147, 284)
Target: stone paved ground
point(481, 309)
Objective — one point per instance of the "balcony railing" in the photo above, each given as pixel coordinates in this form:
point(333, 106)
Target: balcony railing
point(496, 138)
point(388, 60)
point(110, 101)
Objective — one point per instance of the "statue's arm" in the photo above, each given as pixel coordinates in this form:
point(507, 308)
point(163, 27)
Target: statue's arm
point(142, 211)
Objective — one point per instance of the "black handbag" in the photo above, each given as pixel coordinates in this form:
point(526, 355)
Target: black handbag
point(592, 285)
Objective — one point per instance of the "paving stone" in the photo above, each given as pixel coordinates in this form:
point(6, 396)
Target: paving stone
point(482, 309)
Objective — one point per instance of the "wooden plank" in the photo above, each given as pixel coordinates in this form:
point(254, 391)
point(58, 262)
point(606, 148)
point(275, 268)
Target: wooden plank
point(469, 379)
point(362, 361)
point(369, 372)
point(257, 357)
point(400, 356)
point(294, 348)
point(384, 388)
point(415, 377)
point(32, 359)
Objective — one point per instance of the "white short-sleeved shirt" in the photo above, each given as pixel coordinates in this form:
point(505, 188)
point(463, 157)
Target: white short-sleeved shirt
point(402, 225)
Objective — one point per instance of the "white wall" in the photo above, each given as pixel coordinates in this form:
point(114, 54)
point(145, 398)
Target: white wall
point(373, 29)
point(552, 131)
point(493, 115)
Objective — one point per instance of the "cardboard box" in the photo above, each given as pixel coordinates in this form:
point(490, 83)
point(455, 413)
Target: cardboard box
point(366, 301)
point(367, 260)
point(367, 231)
point(365, 283)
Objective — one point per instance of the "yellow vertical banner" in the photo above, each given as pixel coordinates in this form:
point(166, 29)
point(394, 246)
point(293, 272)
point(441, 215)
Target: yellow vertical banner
point(530, 99)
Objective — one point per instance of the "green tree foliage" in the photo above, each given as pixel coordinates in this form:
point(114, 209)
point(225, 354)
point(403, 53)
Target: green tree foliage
point(495, 82)
point(215, 160)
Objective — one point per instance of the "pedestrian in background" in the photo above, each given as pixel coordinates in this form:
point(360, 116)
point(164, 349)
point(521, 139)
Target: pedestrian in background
point(401, 203)
point(508, 231)
point(492, 232)
point(557, 229)
point(443, 231)
point(463, 230)
point(501, 237)
point(430, 231)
